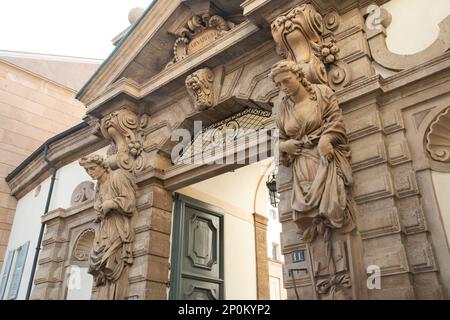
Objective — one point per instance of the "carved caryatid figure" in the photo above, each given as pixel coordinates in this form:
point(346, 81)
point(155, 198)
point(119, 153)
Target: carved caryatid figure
point(115, 203)
point(314, 145)
point(313, 142)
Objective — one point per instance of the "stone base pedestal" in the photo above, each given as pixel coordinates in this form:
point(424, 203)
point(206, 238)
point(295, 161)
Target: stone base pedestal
point(337, 267)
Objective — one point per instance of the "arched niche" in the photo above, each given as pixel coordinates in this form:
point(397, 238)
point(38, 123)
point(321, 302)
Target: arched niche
point(437, 141)
point(83, 246)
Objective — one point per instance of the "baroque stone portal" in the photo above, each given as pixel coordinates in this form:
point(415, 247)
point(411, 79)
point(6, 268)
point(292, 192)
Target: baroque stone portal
point(115, 203)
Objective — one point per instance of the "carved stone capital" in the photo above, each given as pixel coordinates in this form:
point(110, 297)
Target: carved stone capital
point(299, 37)
point(200, 88)
point(124, 129)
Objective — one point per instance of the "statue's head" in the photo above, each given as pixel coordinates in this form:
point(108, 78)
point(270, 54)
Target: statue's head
point(290, 77)
point(94, 165)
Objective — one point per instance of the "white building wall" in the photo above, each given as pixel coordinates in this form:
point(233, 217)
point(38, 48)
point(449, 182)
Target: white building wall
point(26, 226)
point(79, 284)
point(240, 262)
point(441, 182)
point(414, 24)
point(277, 291)
point(30, 208)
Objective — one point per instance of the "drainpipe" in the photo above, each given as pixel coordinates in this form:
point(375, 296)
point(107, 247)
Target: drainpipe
point(41, 232)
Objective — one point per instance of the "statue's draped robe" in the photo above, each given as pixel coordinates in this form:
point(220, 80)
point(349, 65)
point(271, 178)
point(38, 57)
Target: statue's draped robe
point(320, 189)
point(112, 248)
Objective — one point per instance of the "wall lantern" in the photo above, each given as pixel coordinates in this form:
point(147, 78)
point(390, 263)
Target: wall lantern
point(271, 184)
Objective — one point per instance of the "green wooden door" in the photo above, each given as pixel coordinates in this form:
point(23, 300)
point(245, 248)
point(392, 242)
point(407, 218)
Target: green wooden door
point(197, 251)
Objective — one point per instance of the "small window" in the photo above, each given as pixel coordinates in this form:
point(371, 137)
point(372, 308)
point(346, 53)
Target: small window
point(298, 256)
point(275, 249)
point(273, 214)
point(12, 275)
point(37, 191)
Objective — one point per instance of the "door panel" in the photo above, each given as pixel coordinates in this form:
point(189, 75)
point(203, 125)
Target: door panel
point(200, 290)
point(197, 251)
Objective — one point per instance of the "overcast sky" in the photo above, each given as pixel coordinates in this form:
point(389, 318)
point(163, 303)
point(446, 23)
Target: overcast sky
point(79, 28)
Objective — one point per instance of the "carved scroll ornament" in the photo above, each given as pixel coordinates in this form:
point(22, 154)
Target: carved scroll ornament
point(198, 32)
point(124, 129)
point(200, 88)
point(298, 35)
point(82, 193)
point(376, 36)
point(438, 137)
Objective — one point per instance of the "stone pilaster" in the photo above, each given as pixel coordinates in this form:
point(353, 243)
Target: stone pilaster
point(262, 267)
point(149, 274)
point(50, 271)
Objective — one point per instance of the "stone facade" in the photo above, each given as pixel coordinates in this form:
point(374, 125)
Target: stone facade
point(390, 123)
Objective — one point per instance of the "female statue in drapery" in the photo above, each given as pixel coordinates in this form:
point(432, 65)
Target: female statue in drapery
point(314, 144)
point(115, 203)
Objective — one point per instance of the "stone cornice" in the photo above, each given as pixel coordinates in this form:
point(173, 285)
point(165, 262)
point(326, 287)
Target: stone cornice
point(132, 44)
point(239, 34)
point(61, 153)
point(398, 81)
point(61, 213)
point(155, 17)
point(263, 12)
